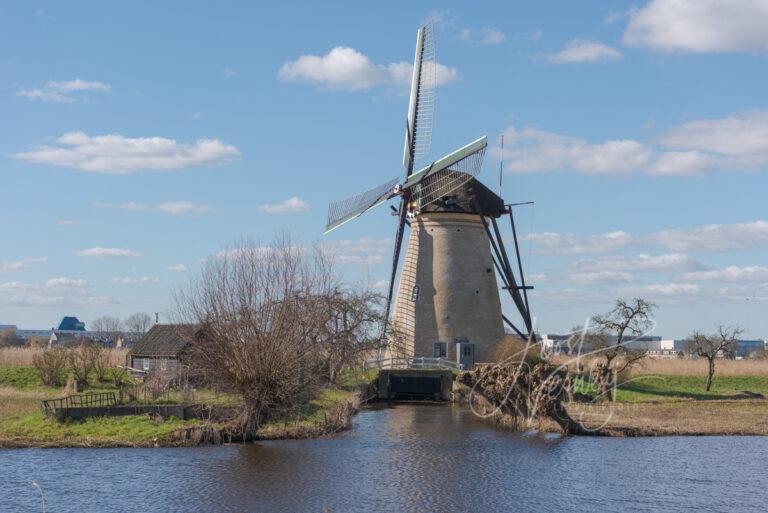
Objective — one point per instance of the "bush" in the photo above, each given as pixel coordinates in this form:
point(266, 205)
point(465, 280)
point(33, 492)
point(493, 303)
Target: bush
point(50, 364)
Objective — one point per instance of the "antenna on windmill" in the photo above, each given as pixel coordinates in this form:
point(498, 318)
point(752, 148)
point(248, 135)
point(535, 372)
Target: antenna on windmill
point(501, 165)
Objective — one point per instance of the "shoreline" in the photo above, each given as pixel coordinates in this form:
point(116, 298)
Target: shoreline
point(726, 417)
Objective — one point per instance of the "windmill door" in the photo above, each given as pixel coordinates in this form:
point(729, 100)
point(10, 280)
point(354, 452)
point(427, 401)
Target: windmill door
point(465, 355)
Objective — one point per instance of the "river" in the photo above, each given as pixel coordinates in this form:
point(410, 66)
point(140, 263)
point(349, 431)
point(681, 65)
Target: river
point(402, 458)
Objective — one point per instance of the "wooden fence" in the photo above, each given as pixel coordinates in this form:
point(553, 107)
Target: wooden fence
point(50, 407)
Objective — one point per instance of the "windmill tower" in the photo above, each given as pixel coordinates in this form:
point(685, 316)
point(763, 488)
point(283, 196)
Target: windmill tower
point(447, 303)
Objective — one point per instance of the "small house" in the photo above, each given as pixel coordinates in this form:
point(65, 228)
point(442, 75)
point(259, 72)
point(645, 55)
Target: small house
point(161, 349)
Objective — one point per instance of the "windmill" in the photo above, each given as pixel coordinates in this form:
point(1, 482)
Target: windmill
point(447, 302)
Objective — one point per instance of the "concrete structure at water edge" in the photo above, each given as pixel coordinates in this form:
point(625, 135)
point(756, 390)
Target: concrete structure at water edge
point(448, 298)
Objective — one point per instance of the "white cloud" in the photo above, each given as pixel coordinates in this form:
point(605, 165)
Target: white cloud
point(582, 50)
point(140, 280)
point(178, 268)
point(364, 251)
point(675, 262)
point(78, 85)
point(77, 283)
point(98, 252)
point(17, 265)
point(485, 36)
point(739, 135)
point(663, 290)
point(754, 273)
point(60, 292)
point(68, 222)
point(738, 142)
point(571, 244)
point(714, 237)
point(601, 277)
point(345, 68)
point(700, 26)
point(530, 150)
point(116, 154)
point(57, 91)
point(46, 96)
point(289, 206)
point(176, 208)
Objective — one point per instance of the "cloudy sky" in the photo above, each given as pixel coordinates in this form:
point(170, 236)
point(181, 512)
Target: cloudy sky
point(138, 138)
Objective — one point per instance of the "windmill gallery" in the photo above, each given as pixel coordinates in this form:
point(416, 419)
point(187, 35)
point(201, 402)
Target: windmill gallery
point(447, 309)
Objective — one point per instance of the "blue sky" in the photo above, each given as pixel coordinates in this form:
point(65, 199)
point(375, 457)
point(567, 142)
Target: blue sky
point(137, 139)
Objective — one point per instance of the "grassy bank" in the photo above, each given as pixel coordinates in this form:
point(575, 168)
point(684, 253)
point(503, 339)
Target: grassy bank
point(711, 417)
point(641, 388)
point(23, 425)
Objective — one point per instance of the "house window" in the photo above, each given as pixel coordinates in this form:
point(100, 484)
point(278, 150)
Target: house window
point(415, 293)
point(439, 350)
point(145, 364)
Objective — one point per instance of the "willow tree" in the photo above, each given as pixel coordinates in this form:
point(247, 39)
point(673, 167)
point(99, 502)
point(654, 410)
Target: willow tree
point(258, 323)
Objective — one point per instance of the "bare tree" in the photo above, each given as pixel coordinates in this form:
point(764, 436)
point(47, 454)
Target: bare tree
point(139, 322)
point(107, 324)
point(722, 343)
point(258, 324)
point(610, 337)
point(354, 321)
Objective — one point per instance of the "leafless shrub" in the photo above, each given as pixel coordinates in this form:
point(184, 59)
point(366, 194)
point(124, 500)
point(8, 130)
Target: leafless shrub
point(81, 362)
point(50, 364)
point(100, 360)
point(119, 376)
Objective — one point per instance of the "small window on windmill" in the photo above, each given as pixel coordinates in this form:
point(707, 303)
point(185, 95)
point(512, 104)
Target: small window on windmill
point(415, 293)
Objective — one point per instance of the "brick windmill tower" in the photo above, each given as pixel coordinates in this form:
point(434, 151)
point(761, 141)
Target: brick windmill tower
point(448, 303)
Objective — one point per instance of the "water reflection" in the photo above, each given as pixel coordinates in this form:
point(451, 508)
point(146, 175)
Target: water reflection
point(401, 458)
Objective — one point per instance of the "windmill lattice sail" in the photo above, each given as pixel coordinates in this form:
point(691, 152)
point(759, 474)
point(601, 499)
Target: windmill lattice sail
point(421, 108)
point(345, 210)
point(445, 181)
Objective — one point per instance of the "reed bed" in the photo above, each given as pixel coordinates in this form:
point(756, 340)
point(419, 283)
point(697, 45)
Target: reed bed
point(698, 367)
point(683, 366)
point(22, 356)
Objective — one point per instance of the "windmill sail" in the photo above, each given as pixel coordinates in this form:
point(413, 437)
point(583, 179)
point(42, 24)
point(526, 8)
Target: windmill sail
point(421, 107)
point(345, 210)
point(445, 181)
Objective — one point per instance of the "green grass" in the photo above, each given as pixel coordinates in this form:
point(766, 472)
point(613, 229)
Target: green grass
point(313, 413)
point(353, 378)
point(666, 388)
point(34, 429)
point(19, 377)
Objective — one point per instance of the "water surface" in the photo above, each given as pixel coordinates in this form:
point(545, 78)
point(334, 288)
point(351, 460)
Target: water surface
point(402, 458)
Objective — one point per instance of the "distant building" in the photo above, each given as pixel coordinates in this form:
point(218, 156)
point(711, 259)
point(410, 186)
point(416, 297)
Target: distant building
point(71, 324)
point(161, 349)
point(750, 348)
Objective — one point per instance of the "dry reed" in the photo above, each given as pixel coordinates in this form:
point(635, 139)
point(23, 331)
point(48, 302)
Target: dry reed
point(22, 356)
point(684, 366)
